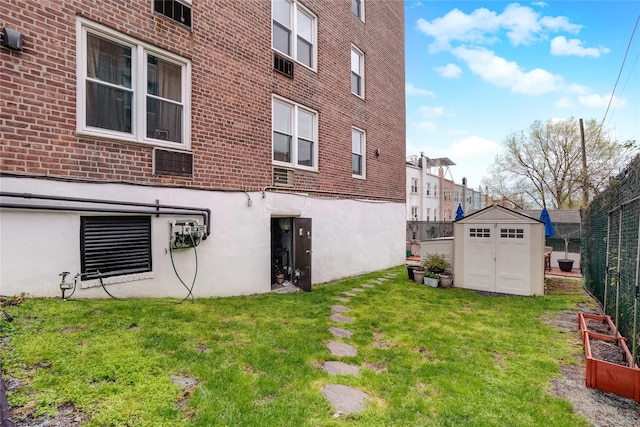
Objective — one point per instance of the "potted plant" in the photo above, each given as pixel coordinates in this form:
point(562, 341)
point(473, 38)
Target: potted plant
point(431, 279)
point(418, 274)
point(446, 279)
point(436, 263)
point(565, 264)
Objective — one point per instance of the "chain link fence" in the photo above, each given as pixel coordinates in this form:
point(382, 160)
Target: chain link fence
point(610, 251)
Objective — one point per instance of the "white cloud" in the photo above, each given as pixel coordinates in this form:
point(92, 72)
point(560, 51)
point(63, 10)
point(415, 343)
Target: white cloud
point(560, 46)
point(564, 102)
point(522, 24)
point(412, 90)
point(449, 71)
point(430, 112)
point(600, 101)
point(426, 126)
point(503, 73)
point(472, 146)
point(578, 89)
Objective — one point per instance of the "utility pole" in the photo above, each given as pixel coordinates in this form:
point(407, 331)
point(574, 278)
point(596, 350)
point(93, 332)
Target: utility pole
point(585, 178)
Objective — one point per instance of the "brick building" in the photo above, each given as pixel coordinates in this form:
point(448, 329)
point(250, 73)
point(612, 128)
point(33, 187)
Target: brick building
point(279, 126)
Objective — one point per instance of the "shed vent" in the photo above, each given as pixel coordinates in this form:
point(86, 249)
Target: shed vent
point(166, 162)
point(282, 177)
point(282, 65)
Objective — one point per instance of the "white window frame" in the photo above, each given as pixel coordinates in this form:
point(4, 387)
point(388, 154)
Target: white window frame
point(294, 137)
point(414, 188)
point(361, 14)
point(139, 50)
point(414, 213)
point(428, 189)
point(363, 151)
point(360, 54)
point(293, 34)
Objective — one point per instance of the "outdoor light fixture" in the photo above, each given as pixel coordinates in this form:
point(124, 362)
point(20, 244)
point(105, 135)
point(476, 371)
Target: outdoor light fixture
point(11, 39)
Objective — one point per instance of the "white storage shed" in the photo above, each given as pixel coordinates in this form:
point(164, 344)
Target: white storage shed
point(499, 250)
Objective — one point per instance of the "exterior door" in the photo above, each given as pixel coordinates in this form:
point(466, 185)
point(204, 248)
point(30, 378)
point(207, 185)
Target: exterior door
point(479, 257)
point(513, 259)
point(302, 252)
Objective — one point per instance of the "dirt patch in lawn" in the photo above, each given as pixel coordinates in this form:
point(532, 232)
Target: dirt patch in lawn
point(599, 408)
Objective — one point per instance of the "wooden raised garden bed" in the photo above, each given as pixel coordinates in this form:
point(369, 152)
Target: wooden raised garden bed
point(609, 363)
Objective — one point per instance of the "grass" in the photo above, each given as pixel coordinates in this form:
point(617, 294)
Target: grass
point(428, 357)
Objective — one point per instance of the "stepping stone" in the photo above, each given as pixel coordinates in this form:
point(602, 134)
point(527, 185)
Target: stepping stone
point(382, 279)
point(342, 299)
point(341, 333)
point(344, 399)
point(357, 290)
point(367, 285)
point(340, 308)
point(340, 368)
point(350, 294)
point(338, 348)
point(337, 317)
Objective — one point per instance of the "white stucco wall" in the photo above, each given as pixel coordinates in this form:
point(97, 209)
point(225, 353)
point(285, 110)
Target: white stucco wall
point(348, 238)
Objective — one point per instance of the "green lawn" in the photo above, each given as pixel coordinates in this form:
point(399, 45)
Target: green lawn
point(428, 357)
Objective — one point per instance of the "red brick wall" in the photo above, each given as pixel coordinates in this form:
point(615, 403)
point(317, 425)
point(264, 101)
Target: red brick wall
point(232, 87)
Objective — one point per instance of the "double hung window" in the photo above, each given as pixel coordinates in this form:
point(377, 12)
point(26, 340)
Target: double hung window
point(357, 7)
point(357, 153)
point(414, 186)
point(130, 90)
point(294, 32)
point(295, 141)
point(357, 72)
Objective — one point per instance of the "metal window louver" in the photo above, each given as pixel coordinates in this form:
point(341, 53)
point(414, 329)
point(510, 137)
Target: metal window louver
point(283, 65)
point(168, 162)
point(114, 245)
point(174, 10)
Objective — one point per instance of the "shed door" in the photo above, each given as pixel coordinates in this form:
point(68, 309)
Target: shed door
point(479, 257)
point(513, 259)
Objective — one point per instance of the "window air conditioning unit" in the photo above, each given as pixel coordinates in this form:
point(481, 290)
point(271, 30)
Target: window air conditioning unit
point(282, 177)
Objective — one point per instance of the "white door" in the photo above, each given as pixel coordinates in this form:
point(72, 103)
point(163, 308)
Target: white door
point(513, 259)
point(479, 257)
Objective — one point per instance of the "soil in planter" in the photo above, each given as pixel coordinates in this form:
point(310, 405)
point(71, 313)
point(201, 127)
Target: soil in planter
point(609, 352)
point(594, 325)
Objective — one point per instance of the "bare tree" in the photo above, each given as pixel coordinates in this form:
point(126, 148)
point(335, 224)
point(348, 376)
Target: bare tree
point(543, 165)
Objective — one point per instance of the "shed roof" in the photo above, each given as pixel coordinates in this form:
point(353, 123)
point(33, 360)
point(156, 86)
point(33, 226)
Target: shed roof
point(499, 213)
point(556, 215)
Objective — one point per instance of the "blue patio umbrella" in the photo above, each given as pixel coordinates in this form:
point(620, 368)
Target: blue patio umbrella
point(459, 212)
point(548, 226)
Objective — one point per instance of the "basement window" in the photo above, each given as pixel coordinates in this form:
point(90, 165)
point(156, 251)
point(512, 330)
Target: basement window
point(114, 245)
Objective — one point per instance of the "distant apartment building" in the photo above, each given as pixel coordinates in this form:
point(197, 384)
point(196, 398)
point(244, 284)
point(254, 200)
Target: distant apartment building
point(228, 145)
point(432, 194)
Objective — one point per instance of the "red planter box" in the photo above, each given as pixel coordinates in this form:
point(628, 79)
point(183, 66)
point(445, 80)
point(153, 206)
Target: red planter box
point(605, 320)
point(610, 377)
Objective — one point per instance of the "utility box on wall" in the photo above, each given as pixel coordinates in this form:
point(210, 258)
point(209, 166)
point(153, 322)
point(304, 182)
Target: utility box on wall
point(499, 250)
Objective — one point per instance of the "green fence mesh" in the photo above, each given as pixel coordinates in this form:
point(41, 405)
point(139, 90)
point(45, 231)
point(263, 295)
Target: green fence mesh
point(610, 227)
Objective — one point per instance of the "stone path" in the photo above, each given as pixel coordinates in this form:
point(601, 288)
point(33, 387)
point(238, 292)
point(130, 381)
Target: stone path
point(344, 399)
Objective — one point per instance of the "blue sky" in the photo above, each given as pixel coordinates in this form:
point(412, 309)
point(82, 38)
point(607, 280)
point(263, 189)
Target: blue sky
point(478, 71)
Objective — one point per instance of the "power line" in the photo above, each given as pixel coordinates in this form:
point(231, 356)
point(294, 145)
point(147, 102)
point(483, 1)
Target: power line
point(620, 72)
